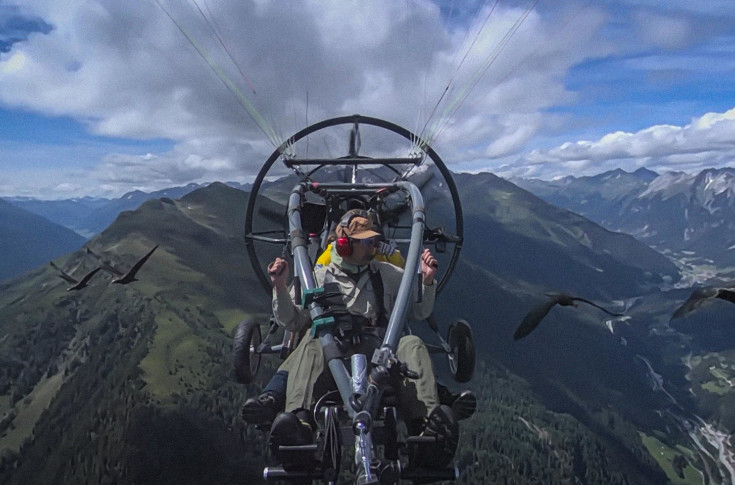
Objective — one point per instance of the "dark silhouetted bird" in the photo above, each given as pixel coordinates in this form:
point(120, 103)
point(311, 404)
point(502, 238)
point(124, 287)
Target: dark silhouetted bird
point(703, 295)
point(119, 276)
point(129, 277)
point(76, 284)
point(537, 313)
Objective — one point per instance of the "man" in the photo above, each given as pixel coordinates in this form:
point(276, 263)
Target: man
point(361, 281)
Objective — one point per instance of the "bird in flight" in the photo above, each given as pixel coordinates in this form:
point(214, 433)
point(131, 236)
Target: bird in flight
point(537, 313)
point(703, 295)
point(129, 277)
point(76, 284)
point(120, 277)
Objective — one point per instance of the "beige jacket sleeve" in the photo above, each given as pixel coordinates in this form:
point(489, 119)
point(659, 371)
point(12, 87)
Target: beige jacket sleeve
point(391, 282)
point(294, 317)
point(286, 313)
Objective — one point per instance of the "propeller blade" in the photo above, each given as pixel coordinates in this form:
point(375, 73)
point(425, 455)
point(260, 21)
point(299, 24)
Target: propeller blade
point(355, 142)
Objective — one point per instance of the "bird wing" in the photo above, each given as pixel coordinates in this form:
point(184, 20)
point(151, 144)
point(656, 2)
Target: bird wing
point(533, 318)
point(698, 296)
point(136, 267)
point(537, 313)
point(584, 300)
point(726, 294)
point(63, 274)
point(89, 275)
point(85, 280)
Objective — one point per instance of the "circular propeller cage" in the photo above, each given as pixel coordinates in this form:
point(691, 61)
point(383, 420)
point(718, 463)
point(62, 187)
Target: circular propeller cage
point(396, 154)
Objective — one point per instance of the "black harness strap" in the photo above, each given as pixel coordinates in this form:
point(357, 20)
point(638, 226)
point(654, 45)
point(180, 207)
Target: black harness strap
point(377, 281)
point(351, 328)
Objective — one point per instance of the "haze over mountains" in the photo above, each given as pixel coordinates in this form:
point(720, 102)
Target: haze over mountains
point(28, 240)
point(691, 216)
point(89, 216)
point(131, 384)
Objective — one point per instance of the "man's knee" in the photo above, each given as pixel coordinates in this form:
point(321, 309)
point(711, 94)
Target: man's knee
point(306, 367)
point(410, 342)
point(411, 347)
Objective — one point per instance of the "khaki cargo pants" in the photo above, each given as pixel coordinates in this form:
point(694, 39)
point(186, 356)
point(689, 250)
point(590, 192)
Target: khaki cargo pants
point(418, 396)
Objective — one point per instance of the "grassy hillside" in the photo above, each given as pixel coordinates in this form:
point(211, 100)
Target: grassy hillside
point(110, 364)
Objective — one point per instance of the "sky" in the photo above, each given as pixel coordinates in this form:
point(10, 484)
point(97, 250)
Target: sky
point(99, 98)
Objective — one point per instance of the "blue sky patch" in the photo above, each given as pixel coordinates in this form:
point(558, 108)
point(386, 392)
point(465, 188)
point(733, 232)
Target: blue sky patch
point(14, 27)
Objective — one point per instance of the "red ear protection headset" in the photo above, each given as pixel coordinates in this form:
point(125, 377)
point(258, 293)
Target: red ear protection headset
point(344, 246)
point(344, 243)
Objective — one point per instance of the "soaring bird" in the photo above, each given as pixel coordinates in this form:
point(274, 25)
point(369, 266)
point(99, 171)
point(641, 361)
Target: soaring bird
point(702, 295)
point(76, 284)
point(129, 277)
point(537, 313)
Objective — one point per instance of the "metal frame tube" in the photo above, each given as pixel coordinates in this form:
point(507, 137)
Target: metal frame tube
point(300, 253)
point(397, 318)
point(302, 268)
point(305, 273)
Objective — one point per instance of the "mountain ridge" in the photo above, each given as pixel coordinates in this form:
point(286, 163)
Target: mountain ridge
point(690, 216)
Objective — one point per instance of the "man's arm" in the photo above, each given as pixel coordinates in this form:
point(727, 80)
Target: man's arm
point(286, 313)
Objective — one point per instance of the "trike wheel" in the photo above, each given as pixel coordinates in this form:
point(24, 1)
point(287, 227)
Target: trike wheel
point(245, 351)
point(462, 356)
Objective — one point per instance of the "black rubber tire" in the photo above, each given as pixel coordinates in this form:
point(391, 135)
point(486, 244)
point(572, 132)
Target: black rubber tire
point(244, 351)
point(462, 344)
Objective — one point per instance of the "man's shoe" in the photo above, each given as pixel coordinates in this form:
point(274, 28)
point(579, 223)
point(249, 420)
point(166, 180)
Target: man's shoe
point(464, 405)
point(442, 425)
point(262, 409)
point(288, 430)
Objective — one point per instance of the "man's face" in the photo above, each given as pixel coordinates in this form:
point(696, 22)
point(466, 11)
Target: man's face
point(363, 251)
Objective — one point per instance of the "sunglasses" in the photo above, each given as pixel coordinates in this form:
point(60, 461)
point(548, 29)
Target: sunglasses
point(370, 242)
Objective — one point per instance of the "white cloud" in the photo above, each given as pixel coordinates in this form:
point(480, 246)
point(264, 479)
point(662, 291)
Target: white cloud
point(708, 139)
point(125, 70)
